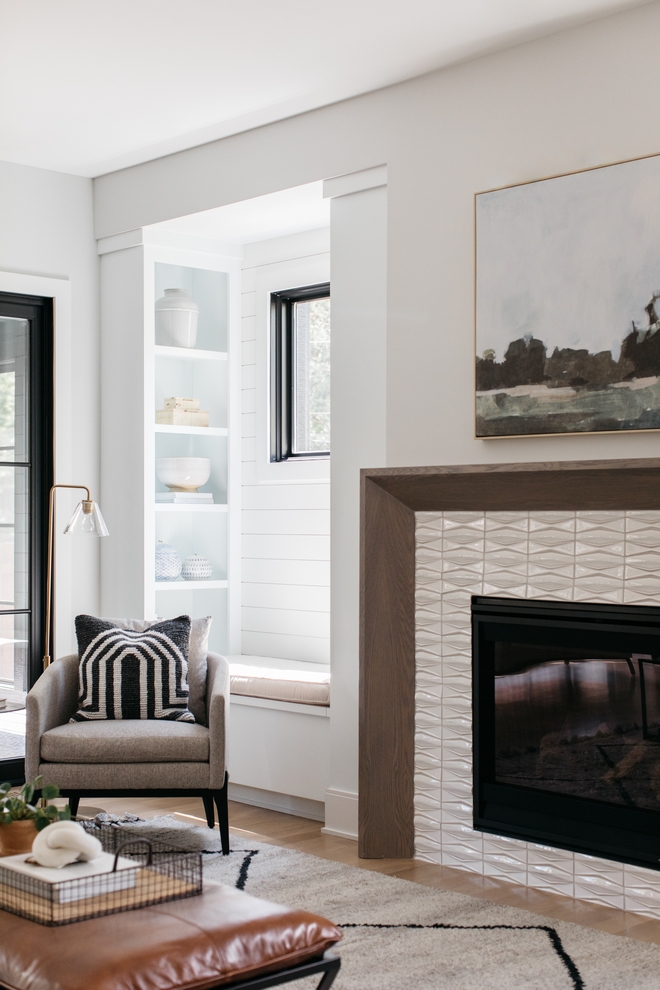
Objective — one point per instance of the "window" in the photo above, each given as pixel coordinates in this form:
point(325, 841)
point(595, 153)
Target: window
point(26, 474)
point(300, 372)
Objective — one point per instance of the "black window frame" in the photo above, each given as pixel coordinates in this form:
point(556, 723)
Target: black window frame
point(38, 311)
point(282, 372)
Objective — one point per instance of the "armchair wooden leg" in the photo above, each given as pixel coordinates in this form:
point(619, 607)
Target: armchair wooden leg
point(223, 815)
point(74, 801)
point(208, 808)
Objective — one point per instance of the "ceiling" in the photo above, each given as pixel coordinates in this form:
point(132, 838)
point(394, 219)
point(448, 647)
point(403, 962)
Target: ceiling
point(90, 86)
point(289, 211)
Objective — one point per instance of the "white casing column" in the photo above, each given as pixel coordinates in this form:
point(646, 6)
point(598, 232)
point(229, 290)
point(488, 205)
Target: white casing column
point(358, 261)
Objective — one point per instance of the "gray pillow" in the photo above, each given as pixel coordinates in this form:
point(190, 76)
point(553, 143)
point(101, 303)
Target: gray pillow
point(197, 665)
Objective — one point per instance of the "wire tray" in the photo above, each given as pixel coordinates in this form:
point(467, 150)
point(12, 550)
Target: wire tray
point(158, 873)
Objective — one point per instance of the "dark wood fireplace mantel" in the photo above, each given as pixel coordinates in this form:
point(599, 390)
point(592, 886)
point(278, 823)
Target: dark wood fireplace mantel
point(390, 497)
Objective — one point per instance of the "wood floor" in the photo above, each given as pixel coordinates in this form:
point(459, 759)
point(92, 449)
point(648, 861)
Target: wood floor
point(305, 835)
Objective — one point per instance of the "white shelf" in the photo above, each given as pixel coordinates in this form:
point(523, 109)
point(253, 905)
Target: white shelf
point(171, 507)
point(189, 585)
point(195, 431)
point(189, 353)
point(211, 372)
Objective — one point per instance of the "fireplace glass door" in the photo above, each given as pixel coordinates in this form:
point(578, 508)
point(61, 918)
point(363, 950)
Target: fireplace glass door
point(567, 725)
point(570, 723)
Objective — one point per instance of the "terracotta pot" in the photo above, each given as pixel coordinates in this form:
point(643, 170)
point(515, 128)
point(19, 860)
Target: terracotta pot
point(17, 837)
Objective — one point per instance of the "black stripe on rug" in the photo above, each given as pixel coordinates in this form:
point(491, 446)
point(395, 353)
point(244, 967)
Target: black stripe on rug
point(245, 865)
point(553, 935)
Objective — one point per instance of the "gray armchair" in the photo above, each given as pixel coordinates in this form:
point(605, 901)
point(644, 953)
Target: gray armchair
point(128, 758)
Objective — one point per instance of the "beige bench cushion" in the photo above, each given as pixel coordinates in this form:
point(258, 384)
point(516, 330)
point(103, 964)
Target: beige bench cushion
point(302, 687)
point(126, 741)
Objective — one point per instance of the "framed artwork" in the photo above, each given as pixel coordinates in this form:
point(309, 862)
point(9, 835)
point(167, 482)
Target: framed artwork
point(568, 303)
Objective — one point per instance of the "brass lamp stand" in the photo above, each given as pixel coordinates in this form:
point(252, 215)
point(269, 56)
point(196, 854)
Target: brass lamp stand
point(86, 519)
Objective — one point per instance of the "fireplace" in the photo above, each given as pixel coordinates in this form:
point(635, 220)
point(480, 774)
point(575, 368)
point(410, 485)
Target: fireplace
point(416, 747)
point(391, 690)
point(566, 725)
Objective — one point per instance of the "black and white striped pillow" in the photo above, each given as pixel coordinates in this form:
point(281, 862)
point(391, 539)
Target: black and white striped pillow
point(129, 675)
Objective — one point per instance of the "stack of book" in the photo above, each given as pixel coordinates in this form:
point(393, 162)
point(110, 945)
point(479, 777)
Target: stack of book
point(73, 882)
point(185, 498)
point(107, 884)
point(181, 412)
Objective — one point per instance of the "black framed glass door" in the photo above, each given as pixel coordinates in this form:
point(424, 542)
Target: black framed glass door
point(26, 474)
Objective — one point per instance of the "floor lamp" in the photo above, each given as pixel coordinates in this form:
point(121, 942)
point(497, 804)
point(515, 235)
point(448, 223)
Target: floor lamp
point(86, 519)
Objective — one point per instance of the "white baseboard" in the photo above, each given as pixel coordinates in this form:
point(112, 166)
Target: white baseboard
point(288, 804)
point(342, 835)
point(341, 813)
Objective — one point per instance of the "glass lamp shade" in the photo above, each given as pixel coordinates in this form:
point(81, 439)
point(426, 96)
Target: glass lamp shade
point(90, 522)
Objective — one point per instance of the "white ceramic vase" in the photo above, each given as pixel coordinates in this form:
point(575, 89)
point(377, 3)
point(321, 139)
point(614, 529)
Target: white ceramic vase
point(176, 319)
point(196, 568)
point(168, 562)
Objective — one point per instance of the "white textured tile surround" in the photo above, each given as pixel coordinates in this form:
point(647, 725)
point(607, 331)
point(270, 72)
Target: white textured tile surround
point(576, 556)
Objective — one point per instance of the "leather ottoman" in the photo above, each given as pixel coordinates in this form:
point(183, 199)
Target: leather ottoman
point(222, 938)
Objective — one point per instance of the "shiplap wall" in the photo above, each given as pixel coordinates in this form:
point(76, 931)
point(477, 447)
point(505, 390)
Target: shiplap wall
point(286, 527)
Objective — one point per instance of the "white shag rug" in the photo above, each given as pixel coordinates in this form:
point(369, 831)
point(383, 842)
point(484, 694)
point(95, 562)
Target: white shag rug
point(399, 935)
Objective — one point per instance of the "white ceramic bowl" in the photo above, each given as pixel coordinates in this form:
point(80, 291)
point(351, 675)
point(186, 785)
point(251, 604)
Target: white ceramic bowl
point(183, 474)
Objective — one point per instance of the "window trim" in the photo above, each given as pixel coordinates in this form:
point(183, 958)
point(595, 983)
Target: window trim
point(282, 371)
point(38, 311)
point(311, 266)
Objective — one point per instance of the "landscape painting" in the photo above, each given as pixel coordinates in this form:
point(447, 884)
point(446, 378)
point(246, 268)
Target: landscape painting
point(568, 303)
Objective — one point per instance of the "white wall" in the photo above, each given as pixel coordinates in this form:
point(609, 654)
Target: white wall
point(46, 230)
point(286, 526)
point(578, 98)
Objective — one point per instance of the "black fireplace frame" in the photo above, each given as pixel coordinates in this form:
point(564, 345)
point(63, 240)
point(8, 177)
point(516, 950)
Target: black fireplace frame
point(623, 834)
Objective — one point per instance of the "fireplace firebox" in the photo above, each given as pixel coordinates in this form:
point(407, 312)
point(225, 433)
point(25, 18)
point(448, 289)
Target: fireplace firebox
point(566, 724)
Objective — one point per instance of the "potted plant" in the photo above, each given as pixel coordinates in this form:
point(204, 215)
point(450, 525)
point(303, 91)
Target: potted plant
point(20, 820)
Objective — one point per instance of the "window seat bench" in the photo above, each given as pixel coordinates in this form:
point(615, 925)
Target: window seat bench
point(280, 680)
point(296, 686)
point(279, 733)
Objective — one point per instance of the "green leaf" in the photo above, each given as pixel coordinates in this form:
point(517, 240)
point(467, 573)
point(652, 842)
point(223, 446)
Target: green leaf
point(65, 814)
point(42, 823)
point(20, 808)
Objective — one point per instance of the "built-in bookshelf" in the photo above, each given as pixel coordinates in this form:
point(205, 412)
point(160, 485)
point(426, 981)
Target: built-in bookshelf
point(133, 279)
